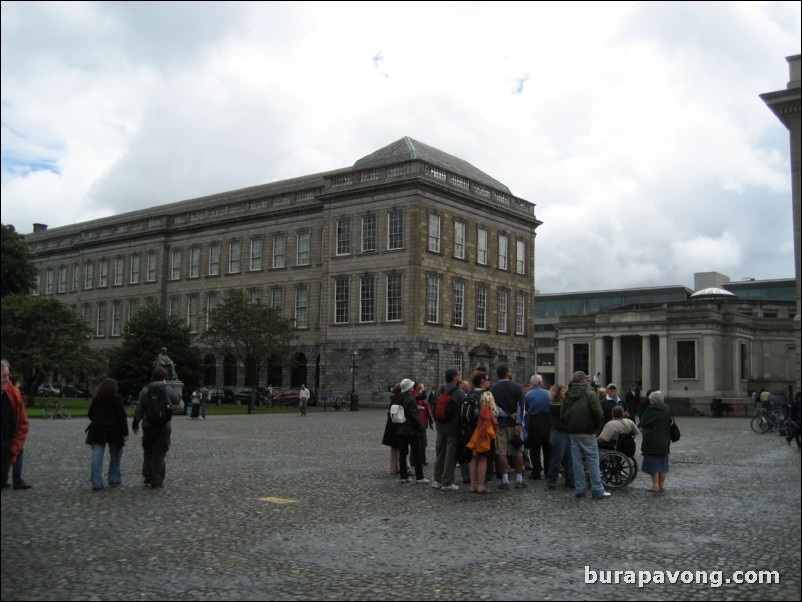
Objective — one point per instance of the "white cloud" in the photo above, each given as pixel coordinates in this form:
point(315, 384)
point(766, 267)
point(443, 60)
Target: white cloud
point(636, 128)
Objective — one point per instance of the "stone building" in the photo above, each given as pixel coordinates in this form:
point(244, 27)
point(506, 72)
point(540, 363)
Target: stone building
point(408, 262)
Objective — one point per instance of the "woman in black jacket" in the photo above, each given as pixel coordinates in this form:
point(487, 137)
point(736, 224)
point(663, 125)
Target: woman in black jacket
point(109, 426)
point(408, 433)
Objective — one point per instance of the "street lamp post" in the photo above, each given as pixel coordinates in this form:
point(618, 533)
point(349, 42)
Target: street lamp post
point(354, 401)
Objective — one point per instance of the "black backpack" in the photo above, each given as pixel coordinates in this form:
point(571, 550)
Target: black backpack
point(157, 407)
point(469, 413)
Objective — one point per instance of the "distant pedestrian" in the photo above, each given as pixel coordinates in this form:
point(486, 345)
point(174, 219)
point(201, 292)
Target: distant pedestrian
point(303, 399)
point(195, 400)
point(18, 481)
point(204, 397)
point(108, 426)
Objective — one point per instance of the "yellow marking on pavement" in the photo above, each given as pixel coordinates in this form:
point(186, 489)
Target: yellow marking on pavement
point(277, 500)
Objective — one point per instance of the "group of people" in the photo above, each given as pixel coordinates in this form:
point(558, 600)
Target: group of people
point(198, 401)
point(562, 430)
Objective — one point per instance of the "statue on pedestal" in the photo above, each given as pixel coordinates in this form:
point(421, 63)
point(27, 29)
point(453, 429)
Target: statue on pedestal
point(164, 360)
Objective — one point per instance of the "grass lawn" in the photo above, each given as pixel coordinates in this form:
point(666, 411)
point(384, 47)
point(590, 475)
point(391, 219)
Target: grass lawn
point(79, 408)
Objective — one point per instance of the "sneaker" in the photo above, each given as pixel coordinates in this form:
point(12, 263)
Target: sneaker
point(422, 481)
point(520, 485)
point(504, 486)
point(580, 494)
point(601, 496)
point(435, 485)
point(404, 481)
point(452, 487)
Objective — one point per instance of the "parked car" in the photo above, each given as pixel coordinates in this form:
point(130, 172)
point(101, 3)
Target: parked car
point(73, 391)
point(49, 391)
point(290, 398)
point(243, 395)
point(219, 396)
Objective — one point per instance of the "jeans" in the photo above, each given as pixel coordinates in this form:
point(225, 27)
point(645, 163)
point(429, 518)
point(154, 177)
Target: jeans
point(587, 448)
point(115, 459)
point(203, 408)
point(16, 471)
point(560, 455)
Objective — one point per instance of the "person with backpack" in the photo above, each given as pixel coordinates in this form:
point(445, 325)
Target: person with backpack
point(155, 411)
point(449, 430)
point(483, 415)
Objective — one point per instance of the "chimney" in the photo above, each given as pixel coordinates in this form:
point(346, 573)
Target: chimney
point(794, 71)
point(39, 228)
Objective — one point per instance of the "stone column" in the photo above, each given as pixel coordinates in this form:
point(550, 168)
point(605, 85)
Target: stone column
point(646, 363)
point(617, 371)
point(662, 360)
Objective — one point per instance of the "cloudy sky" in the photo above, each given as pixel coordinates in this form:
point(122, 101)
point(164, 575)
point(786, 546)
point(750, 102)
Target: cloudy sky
point(636, 128)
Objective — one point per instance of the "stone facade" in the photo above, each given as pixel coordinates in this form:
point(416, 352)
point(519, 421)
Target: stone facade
point(373, 258)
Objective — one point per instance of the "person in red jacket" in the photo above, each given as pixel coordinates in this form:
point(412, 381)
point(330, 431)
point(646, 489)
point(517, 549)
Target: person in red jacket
point(14, 422)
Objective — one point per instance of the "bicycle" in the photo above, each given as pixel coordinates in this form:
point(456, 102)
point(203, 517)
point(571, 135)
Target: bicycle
point(765, 420)
point(53, 407)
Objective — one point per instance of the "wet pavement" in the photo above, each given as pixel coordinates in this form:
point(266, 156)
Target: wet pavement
point(279, 507)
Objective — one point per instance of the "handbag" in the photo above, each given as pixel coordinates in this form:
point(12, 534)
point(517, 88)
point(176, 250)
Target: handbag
point(675, 434)
point(397, 414)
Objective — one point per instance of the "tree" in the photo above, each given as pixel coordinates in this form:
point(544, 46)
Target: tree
point(17, 270)
point(253, 333)
point(145, 334)
point(42, 337)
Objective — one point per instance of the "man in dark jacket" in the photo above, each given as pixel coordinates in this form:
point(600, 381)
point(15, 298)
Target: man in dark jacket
point(449, 435)
point(582, 415)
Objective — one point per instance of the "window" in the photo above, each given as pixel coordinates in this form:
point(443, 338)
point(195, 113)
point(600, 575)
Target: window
point(116, 317)
point(303, 245)
point(367, 299)
point(394, 300)
point(62, 280)
point(89, 274)
point(256, 254)
point(502, 311)
point(175, 264)
point(433, 299)
point(520, 257)
point(503, 251)
point(133, 307)
point(134, 269)
point(686, 359)
point(88, 318)
point(100, 329)
point(152, 259)
point(194, 262)
point(481, 246)
point(49, 282)
point(277, 299)
point(458, 314)
point(368, 233)
point(278, 250)
point(520, 313)
point(458, 360)
point(192, 313)
point(434, 233)
point(459, 240)
point(744, 364)
point(103, 276)
point(174, 307)
point(76, 276)
point(481, 307)
point(234, 257)
point(545, 359)
point(255, 296)
point(211, 302)
point(214, 259)
point(395, 230)
point(581, 355)
point(119, 264)
point(343, 236)
point(341, 291)
point(301, 307)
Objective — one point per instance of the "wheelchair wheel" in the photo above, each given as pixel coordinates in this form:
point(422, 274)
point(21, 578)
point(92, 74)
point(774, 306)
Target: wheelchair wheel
point(617, 470)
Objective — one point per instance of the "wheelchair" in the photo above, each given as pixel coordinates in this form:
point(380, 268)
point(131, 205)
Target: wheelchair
point(617, 464)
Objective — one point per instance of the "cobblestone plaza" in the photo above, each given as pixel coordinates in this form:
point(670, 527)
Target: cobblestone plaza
point(276, 507)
